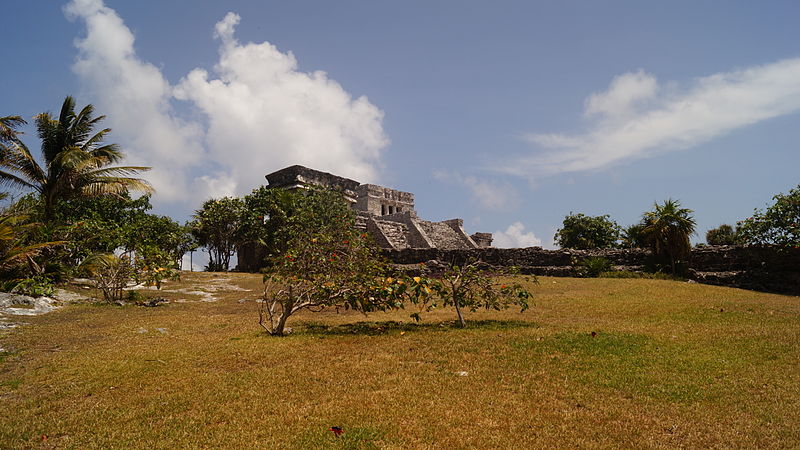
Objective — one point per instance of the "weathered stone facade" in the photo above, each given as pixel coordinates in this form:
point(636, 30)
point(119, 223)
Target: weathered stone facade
point(387, 214)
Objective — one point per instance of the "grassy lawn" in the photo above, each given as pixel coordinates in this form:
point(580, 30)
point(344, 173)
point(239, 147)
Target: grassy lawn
point(672, 364)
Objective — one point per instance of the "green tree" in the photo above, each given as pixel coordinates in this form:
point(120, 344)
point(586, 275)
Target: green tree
point(634, 237)
point(723, 235)
point(217, 227)
point(16, 250)
point(76, 162)
point(779, 224)
point(326, 263)
point(580, 231)
point(472, 287)
point(667, 228)
point(266, 215)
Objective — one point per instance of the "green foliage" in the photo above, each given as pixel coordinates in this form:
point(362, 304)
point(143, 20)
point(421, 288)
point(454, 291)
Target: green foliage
point(667, 229)
point(779, 224)
point(592, 267)
point(36, 286)
point(584, 232)
point(472, 287)
point(326, 264)
point(18, 249)
point(634, 236)
point(217, 226)
point(153, 265)
point(723, 235)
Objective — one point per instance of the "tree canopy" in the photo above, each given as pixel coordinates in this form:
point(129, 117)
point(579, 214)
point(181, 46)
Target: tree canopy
point(580, 231)
point(779, 224)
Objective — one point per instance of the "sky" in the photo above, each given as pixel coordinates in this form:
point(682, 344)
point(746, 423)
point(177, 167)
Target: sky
point(508, 114)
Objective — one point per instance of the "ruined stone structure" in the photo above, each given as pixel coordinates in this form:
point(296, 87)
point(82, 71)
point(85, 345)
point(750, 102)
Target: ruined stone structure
point(387, 214)
point(762, 268)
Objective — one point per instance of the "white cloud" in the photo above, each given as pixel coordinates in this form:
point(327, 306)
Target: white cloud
point(636, 117)
point(263, 114)
point(492, 195)
point(515, 237)
point(136, 99)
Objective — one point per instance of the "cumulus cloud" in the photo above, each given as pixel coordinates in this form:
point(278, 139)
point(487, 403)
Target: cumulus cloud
point(262, 112)
point(637, 117)
point(515, 237)
point(500, 196)
point(135, 96)
point(266, 114)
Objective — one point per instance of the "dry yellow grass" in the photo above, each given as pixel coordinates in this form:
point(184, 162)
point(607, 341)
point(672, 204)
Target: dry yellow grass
point(673, 364)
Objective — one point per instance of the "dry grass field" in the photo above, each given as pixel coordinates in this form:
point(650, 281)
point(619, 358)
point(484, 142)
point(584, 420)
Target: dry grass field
point(672, 364)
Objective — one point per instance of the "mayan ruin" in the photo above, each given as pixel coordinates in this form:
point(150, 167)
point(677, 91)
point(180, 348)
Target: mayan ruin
point(387, 214)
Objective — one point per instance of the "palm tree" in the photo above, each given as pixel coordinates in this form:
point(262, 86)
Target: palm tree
point(14, 251)
point(8, 128)
point(77, 164)
point(667, 229)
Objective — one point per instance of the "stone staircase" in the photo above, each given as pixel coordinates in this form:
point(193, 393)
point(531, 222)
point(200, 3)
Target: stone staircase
point(443, 236)
point(394, 232)
point(361, 222)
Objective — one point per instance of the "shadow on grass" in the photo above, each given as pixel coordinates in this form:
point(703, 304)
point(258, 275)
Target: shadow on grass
point(391, 326)
point(351, 438)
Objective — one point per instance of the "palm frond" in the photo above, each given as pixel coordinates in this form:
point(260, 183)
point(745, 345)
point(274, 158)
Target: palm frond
point(8, 127)
point(115, 186)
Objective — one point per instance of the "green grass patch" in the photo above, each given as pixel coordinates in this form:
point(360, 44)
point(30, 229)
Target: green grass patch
point(634, 364)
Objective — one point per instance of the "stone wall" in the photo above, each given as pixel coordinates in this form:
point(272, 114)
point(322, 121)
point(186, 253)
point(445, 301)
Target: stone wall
point(760, 268)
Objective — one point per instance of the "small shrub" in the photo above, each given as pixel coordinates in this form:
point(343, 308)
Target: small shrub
point(593, 267)
point(37, 286)
point(111, 274)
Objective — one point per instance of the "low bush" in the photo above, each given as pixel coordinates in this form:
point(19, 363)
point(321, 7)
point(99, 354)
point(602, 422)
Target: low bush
point(592, 267)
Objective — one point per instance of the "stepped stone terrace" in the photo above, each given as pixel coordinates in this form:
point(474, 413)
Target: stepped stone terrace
point(387, 214)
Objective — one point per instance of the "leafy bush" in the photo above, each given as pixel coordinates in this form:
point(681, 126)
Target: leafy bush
point(592, 267)
point(634, 236)
point(471, 287)
point(723, 235)
point(779, 224)
point(37, 286)
point(153, 265)
point(584, 232)
point(326, 264)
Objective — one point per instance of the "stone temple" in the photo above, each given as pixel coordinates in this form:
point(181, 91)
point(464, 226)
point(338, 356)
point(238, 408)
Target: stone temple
point(387, 214)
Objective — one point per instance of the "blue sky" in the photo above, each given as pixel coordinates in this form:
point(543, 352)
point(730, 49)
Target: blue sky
point(510, 115)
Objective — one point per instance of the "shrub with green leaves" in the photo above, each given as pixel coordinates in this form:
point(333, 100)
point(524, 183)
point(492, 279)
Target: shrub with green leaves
point(723, 235)
point(583, 232)
point(326, 263)
point(593, 266)
point(779, 224)
point(472, 287)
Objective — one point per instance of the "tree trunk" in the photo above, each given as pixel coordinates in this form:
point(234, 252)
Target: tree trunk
point(286, 311)
point(461, 323)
